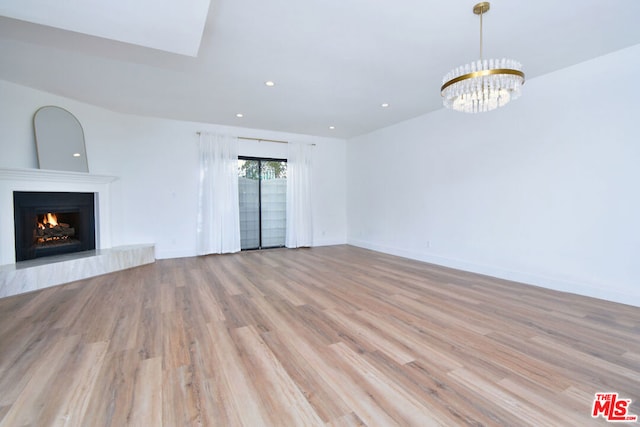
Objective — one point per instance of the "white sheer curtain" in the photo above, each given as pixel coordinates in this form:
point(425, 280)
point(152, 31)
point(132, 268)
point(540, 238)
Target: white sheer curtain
point(218, 212)
point(299, 225)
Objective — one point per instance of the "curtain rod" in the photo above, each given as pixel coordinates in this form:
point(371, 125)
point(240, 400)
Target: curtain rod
point(246, 138)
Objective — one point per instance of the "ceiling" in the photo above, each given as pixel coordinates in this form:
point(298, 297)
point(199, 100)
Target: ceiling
point(334, 62)
point(172, 26)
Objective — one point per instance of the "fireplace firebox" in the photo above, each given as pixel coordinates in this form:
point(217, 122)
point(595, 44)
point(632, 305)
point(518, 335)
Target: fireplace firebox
point(52, 223)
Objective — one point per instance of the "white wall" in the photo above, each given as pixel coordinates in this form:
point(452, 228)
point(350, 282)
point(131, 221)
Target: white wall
point(155, 199)
point(543, 191)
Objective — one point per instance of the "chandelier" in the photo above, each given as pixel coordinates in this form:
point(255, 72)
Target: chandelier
point(482, 85)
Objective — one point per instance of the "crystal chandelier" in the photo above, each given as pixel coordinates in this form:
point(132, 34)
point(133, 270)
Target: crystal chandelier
point(482, 85)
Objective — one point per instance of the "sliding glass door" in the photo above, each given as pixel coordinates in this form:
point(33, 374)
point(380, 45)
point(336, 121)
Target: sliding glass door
point(262, 187)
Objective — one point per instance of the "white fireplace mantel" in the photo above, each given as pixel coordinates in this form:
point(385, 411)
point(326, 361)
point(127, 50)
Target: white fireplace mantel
point(48, 180)
point(53, 176)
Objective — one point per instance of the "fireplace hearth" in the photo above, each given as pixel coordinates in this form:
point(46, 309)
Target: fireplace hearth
point(52, 223)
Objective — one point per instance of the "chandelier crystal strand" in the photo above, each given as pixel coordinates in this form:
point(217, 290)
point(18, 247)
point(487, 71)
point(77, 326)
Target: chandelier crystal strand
point(482, 85)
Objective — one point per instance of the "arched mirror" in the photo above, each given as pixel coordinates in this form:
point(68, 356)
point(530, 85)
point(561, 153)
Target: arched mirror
point(59, 140)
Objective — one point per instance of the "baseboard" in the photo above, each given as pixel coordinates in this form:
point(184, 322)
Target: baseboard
point(183, 253)
point(329, 242)
point(603, 291)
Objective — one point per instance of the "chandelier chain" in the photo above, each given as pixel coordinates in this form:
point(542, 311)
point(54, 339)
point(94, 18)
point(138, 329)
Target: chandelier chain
point(481, 13)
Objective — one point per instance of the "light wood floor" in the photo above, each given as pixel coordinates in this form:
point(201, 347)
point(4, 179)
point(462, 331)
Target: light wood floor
point(324, 336)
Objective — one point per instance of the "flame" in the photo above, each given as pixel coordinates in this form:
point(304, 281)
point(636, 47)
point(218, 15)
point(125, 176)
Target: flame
point(49, 220)
point(52, 219)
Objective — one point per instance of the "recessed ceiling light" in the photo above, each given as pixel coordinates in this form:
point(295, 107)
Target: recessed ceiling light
point(332, 127)
point(270, 83)
point(239, 115)
point(384, 105)
point(76, 154)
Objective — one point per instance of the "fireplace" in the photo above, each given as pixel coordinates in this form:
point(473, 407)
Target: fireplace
point(52, 223)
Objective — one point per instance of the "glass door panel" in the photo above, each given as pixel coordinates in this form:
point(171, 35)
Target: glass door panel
point(273, 203)
point(249, 197)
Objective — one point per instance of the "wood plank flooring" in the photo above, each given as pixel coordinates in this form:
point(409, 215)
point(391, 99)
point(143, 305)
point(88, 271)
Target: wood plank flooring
point(336, 336)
